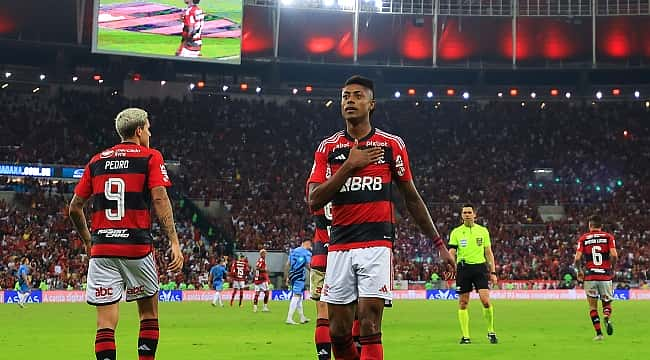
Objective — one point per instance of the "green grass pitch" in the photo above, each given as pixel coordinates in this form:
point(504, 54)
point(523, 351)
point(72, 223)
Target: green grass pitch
point(164, 45)
point(412, 330)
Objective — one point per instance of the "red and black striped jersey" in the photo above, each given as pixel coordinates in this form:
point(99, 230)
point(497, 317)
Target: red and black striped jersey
point(193, 21)
point(240, 270)
point(119, 180)
point(320, 242)
point(261, 274)
point(362, 210)
point(595, 247)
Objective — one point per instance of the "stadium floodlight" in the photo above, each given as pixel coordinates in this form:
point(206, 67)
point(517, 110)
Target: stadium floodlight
point(647, 104)
point(225, 88)
point(523, 104)
point(5, 85)
point(36, 90)
point(533, 95)
point(192, 86)
point(599, 95)
point(347, 4)
point(637, 94)
point(328, 3)
point(500, 94)
point(379, 4)
point(287, 2)
point(294, 91)
point(7, 74)
point(258, 90)
point(466, 95)
point(430, 94)
point(75, 78)
point(101, 81)
point(163, 82)
point(42, 77)
point(568, 95)
point(397, 94)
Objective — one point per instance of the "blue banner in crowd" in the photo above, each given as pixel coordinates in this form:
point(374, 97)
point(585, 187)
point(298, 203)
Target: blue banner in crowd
point(622, 294)
point(11, 297)
point(170, 295)
point(442, 294)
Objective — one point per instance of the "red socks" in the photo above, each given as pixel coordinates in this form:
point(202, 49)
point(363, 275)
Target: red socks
point(105, 344)
point(371, 347)
point(322, 339)
point(343, 348)
point(148, 339)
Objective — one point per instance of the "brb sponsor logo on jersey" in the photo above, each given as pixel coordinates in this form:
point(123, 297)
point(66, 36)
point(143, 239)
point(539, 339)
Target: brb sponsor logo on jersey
point(170, 296)
point(439, 294)
point(362, 183)
point(11, 297)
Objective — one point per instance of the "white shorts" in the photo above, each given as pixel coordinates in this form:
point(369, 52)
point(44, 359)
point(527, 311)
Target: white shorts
point(238, 284)
point(262, 287)
point(189, 53)
point(599, 289)
point(109, 279)
point(356, 273)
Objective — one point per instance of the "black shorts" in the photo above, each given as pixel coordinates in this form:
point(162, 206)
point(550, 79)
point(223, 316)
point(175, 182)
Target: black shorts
point(471, 276)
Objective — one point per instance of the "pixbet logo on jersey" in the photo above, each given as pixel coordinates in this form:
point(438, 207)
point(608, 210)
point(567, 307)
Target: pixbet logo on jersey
point(362, 183)
point(102, 291)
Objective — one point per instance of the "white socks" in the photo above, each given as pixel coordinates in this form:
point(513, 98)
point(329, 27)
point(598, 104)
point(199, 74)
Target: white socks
point(295, 303)
point(217, 298)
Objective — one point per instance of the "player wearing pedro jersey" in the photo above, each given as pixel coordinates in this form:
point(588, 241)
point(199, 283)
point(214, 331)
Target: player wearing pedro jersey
point(470, 243)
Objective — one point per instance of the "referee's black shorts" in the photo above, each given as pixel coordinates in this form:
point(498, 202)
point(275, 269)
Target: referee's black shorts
point(471, 276)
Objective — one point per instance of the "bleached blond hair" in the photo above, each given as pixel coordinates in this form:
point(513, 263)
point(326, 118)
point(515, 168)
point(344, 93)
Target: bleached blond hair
point(128, 120)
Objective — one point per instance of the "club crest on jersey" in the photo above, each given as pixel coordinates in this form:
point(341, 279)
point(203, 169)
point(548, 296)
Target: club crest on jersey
point(399, 165)
point(479, 241)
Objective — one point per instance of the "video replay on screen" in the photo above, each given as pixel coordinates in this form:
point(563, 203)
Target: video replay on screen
point(199, 30)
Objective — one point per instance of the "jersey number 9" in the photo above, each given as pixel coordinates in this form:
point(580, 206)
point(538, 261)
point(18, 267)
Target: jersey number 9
point(114, 191)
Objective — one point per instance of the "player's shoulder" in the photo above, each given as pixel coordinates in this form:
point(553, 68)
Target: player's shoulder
point(330, 141)
point(391, 138)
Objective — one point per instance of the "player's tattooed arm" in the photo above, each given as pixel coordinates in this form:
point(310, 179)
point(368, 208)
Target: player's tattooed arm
point(163, 208)
point(76, 212)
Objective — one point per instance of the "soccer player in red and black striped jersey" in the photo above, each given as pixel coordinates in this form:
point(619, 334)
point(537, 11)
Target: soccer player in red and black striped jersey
point(599, 249)
point(193, 21)
point(239, 272)
point(124, 181)
point(261, 281)
point(356, 169)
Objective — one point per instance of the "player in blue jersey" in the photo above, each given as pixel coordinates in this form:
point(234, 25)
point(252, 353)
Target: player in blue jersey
point(23, 282)
point(216, 278)
point(296, 274)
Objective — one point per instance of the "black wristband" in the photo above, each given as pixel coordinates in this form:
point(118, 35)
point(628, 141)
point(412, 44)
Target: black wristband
point(493, 272)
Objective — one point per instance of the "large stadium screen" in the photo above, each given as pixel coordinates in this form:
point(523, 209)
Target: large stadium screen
point(204, 30)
